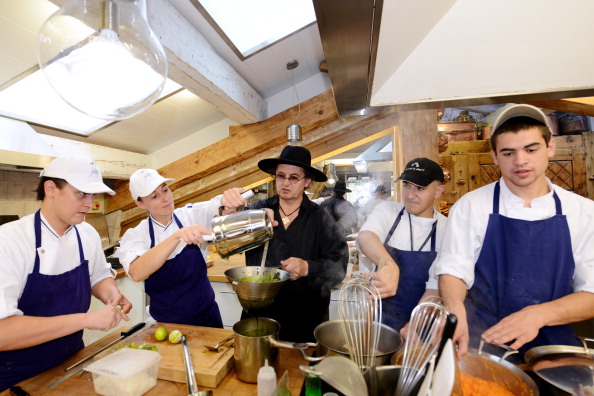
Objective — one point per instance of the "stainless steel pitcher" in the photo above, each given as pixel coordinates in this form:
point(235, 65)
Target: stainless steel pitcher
point(241, 231)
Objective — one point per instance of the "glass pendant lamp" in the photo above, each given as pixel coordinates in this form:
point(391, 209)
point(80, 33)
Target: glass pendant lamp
point(102, 58)
point(332, 176)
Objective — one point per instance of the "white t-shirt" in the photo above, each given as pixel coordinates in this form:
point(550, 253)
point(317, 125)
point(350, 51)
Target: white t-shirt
point(467, 226)
point(383, 216)
point(137, 241)
point(56, 256)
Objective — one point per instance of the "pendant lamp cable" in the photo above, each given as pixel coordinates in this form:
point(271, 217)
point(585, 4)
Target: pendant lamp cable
point(291, 65)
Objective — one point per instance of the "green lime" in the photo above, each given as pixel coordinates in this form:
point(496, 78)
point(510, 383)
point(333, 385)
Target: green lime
point(175, 336)
point(161, 334)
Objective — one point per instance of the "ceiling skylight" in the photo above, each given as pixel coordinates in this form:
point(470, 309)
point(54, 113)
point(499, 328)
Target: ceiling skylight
point(254, 25)
point(33, 100)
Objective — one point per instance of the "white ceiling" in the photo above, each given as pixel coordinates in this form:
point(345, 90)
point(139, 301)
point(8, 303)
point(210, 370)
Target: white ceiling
point(429, 49)
point(432, 50)
point(180, 115)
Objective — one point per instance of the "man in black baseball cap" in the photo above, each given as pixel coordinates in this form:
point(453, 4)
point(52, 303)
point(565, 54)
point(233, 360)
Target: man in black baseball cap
point(407, 236)
point(421, 172)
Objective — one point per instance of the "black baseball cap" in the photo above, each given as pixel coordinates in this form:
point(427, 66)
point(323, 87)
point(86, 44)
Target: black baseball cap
point(421, 172)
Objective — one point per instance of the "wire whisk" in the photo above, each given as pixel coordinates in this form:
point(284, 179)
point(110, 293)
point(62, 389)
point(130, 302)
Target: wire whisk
point(424, 333)
point(360, 311)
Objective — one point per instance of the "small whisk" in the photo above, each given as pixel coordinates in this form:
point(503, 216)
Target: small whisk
point(424, 331)
point(360, 311)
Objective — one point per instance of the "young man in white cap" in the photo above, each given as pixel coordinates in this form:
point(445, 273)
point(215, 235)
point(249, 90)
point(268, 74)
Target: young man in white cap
point(51, 263)
point(407, 236)
point(516, 262)
point(174, 273)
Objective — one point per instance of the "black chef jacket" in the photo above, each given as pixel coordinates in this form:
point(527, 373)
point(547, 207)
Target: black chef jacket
point(313, 236)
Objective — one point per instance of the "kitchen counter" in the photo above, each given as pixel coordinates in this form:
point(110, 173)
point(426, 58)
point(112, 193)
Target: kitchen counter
point(216, 273)
point(230, 385)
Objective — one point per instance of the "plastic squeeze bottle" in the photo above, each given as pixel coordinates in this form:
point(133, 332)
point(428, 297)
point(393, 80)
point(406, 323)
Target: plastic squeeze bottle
point(266, 380)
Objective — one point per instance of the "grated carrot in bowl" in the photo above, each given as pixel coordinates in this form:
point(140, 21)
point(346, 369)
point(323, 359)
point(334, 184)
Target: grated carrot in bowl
point(473, 386)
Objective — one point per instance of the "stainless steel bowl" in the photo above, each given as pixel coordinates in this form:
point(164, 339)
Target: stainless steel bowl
point(254, 295)
point(492, 368)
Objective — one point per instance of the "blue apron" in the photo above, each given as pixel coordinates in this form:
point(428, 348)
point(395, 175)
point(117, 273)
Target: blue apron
point(180, 291)
point(48, 295)
point(521, 263)
point(414, 273)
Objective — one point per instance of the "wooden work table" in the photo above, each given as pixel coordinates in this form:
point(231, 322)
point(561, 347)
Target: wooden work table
point(230, 386)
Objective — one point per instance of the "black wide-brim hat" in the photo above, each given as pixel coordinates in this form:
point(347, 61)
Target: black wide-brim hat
point(293, 155)
point(341, 187)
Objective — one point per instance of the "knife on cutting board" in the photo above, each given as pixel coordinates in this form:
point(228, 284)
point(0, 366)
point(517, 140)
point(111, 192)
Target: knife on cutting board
point(123, 335)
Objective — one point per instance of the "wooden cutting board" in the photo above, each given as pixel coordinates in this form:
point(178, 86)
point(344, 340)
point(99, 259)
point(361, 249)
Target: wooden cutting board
point(210, 367)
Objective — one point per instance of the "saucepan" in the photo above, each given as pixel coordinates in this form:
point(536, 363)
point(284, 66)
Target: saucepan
point(331, 342)
point(256, 340)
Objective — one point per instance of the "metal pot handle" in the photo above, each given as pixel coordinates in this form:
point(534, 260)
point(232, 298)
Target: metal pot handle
point(289, 345)
point(312, 358)
point(509, 351)
point(301, 346)
point(584, 341)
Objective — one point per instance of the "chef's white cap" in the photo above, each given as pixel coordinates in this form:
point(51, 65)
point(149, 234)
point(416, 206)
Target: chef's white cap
point(520, 110)
point(79, 171)
point(144, 181)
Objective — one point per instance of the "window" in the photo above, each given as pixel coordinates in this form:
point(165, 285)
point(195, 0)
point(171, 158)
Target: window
point(250, 26)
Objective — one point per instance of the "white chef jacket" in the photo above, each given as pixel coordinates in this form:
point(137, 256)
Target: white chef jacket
point(137, 241)
point(56, 256)
point(467, 226)
point(383, 216)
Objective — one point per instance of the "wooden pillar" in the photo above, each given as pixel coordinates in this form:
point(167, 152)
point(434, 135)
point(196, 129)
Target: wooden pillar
point(415, 136)
point(588, 138)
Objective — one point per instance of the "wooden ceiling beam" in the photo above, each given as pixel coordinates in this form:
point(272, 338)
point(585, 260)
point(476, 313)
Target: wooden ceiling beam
point(567, 106)
point(322, 141)
point(246, 142)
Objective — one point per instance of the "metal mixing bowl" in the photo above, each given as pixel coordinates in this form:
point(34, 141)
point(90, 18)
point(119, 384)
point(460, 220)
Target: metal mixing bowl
point(491, 368)
point(254, 295)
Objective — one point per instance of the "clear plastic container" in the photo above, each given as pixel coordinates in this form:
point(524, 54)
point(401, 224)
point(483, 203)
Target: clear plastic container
point(126, 372)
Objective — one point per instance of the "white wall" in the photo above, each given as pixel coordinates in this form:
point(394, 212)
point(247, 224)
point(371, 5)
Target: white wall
point(306, 89)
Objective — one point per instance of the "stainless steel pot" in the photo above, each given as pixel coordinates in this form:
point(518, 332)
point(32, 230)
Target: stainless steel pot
point(253, 295)
point(241, 231)
point(256, 340)
point(493, 368)
point(331, 341)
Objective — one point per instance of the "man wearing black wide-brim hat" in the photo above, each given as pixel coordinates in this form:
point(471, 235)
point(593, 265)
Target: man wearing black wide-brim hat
point(306, 244)
point(341, 210)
